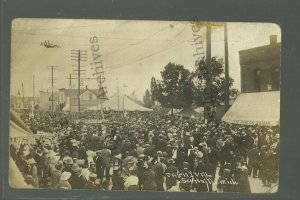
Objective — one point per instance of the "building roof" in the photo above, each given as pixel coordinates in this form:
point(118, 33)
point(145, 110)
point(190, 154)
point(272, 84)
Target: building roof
point(260, 54)
point(73, 92)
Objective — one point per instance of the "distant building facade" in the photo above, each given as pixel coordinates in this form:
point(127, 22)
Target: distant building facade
point(18, 102)
point(68, 99)
point(260, 67)
point(45, 103)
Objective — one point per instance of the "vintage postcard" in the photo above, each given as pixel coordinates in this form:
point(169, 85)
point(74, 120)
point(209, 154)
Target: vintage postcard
point(174, 106)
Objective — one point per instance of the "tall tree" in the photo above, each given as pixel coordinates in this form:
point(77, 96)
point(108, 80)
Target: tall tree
point(210, 83)
point(176, 89)
point(147, 99)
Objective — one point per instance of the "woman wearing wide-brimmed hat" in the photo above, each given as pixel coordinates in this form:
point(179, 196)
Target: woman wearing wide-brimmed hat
point(33, 172)
point(63, 182)
point(55, 175)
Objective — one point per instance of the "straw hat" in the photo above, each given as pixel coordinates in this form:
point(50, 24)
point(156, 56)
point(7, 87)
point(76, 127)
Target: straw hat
point(199, 155)
point(31, 161)
point(68, 160)
point(132, 160)
point(185, 164)
point(80, 162)
point(65, 176)
point(76, 169)
point(119, 156)
point(54, 159)
point(171, 161)
point(93, 175)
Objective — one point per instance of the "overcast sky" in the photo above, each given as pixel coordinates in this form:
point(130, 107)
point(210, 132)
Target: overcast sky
point(132, 51)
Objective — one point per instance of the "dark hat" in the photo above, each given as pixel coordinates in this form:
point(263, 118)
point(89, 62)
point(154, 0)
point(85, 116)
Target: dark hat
point(171, 161)
point(68, 161)
point(93, 175)
point(185, 164)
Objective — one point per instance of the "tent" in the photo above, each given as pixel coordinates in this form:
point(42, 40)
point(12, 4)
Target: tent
point(18, 121)
point(189, 112)
point(16, 179)
point(175, 111)
point(66, 108)
point(120, 102)
point(262, 108)
point(16, 131)
point(17, 128)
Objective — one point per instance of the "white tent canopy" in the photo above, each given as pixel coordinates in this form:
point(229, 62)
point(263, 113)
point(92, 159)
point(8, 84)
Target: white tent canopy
point(16, 131)
point(120, 102)
point(261, 108)
point(66, 108)
point(16, 179)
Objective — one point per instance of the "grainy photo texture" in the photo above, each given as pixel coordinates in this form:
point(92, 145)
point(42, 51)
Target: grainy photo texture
point(174, 106)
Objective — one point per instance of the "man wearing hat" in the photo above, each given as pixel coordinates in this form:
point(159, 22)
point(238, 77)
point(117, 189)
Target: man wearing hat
point(171, 169)
point(64, 183)
point(200, 167)
point(223, 181)
point(38, 157)
point(105, 155)
point(33, 172)
point(186, 186)
point(90, 184)
point(159, 173)
point(56, 174)
point(98, 162)
point(141, 169)
point(253, 161)
point(117, 180)
point(76, 180)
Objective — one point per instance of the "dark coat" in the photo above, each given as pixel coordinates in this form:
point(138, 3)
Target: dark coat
point(185, 186)
point(117, 182)
point(243, 181)
point(76, 182)
point(200, 186)
point(90, 185)
point(149, 181)
point(171, 181)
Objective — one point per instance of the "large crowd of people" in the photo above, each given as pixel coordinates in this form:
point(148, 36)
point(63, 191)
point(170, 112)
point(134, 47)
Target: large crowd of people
point(147, 152)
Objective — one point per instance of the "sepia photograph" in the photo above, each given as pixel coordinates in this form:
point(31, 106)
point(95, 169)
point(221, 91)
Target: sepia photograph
point(137, 105)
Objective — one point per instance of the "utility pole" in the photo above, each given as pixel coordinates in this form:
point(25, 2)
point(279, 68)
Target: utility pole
point(70, 94)
point(226, 68)
point(23, 100)
point(52, 99)
point(118, 94)
point(207, 104)
point(79, 56)
point(52, 79)
point(33, 93)
point(208, 42)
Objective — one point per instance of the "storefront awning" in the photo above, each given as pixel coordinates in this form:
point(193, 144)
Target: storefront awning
point(261, 108)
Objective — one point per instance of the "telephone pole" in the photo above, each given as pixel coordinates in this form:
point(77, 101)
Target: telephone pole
point(52, 99)
point(79, 56)
point(70, 94)
point(208, 42)
point(226, 68)
point(33, 91)
point(52, 79)
point(207, 103)
point(23, 100)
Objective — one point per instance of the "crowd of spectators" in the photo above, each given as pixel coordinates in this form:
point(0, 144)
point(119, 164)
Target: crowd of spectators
point(148, 152)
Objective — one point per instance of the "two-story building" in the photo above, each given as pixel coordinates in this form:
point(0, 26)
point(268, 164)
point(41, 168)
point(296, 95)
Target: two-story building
point(259, 101)
point(69, 99)
point(260, 67)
